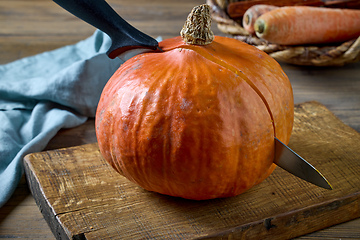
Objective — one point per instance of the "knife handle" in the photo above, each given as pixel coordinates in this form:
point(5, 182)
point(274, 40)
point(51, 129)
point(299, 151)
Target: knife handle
point(99, 14)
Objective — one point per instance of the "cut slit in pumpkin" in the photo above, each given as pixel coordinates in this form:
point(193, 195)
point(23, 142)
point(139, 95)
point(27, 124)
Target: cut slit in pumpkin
point(224, 64)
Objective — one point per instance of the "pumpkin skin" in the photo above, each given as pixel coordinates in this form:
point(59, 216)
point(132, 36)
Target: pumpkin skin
point(196, 122)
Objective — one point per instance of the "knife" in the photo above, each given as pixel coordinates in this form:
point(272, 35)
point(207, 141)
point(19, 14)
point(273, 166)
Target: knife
point(127, 42)
point(290, 161)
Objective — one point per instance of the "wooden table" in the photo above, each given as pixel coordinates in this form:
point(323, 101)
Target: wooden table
point(28, 27)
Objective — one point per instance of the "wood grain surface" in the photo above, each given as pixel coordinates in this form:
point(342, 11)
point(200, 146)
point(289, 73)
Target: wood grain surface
point(81, 196)
point(29, 27)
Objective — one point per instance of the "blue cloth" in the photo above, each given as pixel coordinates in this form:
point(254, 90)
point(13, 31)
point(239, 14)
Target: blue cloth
point(41, 94)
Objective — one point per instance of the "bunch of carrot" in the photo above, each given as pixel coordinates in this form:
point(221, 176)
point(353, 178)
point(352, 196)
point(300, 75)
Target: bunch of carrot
point(298, 25)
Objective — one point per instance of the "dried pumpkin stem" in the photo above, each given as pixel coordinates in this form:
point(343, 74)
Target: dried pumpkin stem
point(197, 28)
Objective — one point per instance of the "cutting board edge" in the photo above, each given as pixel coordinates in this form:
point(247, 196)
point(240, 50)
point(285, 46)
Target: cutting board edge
point(273, 226)
point(57, 228)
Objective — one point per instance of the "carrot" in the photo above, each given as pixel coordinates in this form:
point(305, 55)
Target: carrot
point(238, 9)
point(308, 25)
point(253, 13)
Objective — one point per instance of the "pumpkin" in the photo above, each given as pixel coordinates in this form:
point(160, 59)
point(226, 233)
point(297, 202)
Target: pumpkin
point(198, 119)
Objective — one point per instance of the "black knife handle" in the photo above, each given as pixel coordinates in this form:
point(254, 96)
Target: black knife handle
point(99, 14)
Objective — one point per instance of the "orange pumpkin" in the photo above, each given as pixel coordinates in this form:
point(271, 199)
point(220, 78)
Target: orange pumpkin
point(195, 121)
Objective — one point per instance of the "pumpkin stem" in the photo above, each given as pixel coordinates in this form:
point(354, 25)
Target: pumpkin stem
point(197, 28)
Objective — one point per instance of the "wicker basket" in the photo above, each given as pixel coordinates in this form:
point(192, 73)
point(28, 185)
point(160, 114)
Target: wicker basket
point(329, 55)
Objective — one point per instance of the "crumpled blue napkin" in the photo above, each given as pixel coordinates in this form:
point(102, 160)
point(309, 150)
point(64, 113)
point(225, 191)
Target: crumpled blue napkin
point(41, 94)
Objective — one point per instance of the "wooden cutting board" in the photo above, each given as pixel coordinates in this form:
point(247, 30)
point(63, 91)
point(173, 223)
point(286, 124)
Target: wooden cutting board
point(82, 197)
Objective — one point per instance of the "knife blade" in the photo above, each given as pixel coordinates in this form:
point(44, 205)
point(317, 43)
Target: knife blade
point(290, 161)
point(127, 41)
